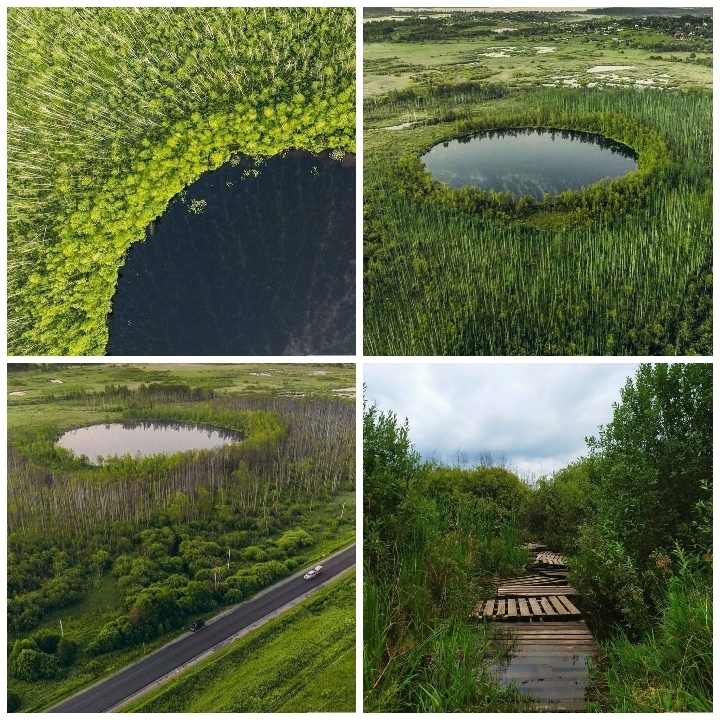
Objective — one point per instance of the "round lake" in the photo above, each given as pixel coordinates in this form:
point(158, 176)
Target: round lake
point(249, 260)
point(528, 161)
point(141, 439)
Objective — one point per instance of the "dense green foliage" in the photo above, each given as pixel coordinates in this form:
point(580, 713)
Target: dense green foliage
point(651, 492)
point(303, 661)
point(634, 520)
point(619, 268)
point(671, 670)
point(113, 111)
point(165, 538)
point(433, 537)
point(558, 506)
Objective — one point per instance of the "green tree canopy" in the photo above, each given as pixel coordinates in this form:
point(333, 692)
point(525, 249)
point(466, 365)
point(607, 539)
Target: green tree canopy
point(653, 462)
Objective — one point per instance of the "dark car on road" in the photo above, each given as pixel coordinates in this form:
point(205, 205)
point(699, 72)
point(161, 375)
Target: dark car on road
point(197, 625)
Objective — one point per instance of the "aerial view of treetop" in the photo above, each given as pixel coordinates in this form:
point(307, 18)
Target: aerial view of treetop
point(537, 182)
point(114, 113)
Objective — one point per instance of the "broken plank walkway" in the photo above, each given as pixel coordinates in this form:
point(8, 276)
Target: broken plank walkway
point(548, 663)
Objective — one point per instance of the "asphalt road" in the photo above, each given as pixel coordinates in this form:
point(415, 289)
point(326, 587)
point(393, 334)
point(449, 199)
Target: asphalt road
point(108, 693)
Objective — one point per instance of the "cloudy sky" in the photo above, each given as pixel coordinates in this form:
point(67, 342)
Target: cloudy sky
point(535, 415)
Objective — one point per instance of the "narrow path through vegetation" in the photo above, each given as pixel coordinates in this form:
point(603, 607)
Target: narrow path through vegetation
point(551, 641)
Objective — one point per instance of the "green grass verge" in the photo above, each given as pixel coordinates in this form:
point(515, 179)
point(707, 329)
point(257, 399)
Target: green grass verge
point(302, 661)
point(671, 669)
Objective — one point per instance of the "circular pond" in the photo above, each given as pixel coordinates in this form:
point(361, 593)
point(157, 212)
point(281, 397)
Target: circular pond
point(529, 161)
point(249, 260)
point(141, 439)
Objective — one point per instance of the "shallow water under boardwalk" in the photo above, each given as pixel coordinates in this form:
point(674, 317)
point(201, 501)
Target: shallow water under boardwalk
point(266, 267)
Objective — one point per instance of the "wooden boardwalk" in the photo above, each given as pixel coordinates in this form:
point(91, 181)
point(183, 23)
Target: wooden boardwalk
point(555, 607)
point(548, 663)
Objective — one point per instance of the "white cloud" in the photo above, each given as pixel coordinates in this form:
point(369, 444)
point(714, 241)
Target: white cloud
point(537, 415)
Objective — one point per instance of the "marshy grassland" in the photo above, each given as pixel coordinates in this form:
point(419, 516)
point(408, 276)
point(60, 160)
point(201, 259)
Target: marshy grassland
point(620, 268)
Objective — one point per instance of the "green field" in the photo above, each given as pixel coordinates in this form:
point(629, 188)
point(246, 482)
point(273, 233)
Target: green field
point(524, 62)
point(33, 394)
point(127, 553)
point(302, 661)
point(620, 268)
point(114, 111)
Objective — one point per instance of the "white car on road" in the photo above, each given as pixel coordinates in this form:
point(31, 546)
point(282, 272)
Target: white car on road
point(310, 574)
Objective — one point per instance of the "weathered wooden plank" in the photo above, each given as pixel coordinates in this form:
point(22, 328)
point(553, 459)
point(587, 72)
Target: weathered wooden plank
point(511, 609)
point(544, 671)
point(551, 631)
point(501, 608)
point(489, 606)
point(534, 592)
point(573, 610)
point(552, 559)
point(530, 642)
point(547, 607)
point(539, 637)
point(524, 610)
point(524, 582)
point(561, 609)
point(533, 580)
point(536, 609)
point(540, 588)
point(561, 643)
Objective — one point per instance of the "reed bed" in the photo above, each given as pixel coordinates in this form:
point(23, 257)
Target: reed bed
point(634, 281)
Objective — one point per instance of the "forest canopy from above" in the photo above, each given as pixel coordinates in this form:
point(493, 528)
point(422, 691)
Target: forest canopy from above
point(113, 111)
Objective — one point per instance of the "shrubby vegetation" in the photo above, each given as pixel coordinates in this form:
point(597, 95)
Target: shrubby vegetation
point(634, 519)
point(433, 537)
point(619, 268)
point(165, 538)
point(641, 540)
point(113, 111)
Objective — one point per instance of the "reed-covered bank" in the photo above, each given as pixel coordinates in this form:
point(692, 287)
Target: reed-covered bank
point(620, 268)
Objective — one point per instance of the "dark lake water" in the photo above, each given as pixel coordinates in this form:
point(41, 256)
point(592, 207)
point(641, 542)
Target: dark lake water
point(143, 439)
point(266, 268)
point(528, 162)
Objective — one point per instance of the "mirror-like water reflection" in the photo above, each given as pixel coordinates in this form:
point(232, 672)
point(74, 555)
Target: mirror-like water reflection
point(141, 439)
point(528, 161)
point(250, 260)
